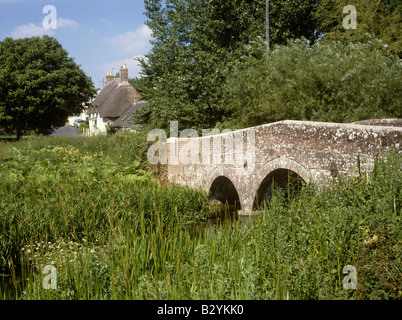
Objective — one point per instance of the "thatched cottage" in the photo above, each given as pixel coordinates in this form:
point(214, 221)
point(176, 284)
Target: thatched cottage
point(114, 104)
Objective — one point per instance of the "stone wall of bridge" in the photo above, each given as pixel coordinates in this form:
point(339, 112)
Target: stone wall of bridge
point(315, 151)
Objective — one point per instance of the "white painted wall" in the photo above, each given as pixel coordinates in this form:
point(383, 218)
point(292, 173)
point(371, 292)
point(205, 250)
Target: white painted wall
point(97, 125)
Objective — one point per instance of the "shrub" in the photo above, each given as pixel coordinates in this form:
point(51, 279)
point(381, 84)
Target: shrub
point(332, 81)
point(83, 126)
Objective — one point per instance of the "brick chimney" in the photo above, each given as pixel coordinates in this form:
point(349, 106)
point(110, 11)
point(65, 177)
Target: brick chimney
point(109, 77)
point(123, 74)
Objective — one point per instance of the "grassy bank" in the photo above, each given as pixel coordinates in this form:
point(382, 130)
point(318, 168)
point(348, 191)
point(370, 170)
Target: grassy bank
point(67, 188)
point(113, 230)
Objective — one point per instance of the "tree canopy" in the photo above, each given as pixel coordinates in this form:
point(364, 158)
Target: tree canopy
point(330, 81)
point(195, 42)
point(206, 65)
point(381, 19)
point(40, 85)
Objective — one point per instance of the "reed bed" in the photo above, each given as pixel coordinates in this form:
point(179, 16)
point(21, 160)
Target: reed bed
point(113, 230)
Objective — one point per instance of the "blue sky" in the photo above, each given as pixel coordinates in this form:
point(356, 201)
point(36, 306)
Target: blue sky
point(101, 35)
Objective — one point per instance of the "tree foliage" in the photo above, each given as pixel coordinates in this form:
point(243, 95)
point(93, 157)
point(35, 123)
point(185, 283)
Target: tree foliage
point(329, 81)
point(195, 41)
point(209, 65)
point(40, 86)
point(379, 18)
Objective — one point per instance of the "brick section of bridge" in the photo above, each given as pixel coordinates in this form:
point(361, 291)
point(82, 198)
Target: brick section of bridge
point(315, 151)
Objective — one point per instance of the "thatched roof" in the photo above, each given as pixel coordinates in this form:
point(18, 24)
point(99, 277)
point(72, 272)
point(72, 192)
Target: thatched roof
point(122, 122)
point(115, 99)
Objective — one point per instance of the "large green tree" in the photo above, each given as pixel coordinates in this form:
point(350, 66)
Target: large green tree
point(331, 81)
point(40, 85)
point(195, 42)
point(381, 19)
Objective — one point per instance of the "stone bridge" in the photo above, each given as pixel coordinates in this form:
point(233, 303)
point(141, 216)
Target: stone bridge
point(242, 166)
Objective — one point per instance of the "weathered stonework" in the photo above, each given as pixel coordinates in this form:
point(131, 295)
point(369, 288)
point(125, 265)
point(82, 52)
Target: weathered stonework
point(315, 151)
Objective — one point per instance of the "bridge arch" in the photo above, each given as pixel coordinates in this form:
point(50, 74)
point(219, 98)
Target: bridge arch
point(282, 173)
point(223, 189)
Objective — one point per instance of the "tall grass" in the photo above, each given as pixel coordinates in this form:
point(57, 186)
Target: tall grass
point(114, 233)
point(50, 190)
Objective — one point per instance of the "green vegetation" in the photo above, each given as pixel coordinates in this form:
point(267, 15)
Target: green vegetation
point(116, 230)
point(84, 125)
point(40, 86)
point(208, 66)
point(50, 189)
point(195, 42)
point(381, 19)
point(329, 81)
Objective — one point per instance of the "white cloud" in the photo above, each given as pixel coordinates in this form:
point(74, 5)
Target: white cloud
point(66, 23)
point(30, 30)
point(132, 42)
point(33, 30)
point(105, 21)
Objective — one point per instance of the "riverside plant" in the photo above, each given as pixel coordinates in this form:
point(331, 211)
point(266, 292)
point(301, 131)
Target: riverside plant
point(137, 243)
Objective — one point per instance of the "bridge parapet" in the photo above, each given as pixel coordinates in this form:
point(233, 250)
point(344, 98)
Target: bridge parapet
point(315, 151)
